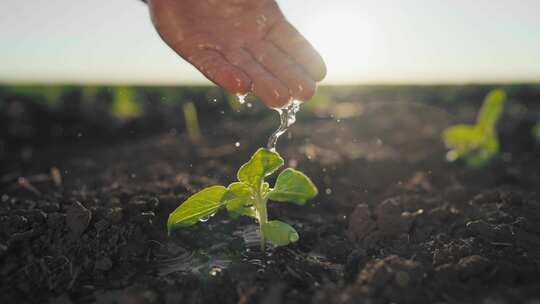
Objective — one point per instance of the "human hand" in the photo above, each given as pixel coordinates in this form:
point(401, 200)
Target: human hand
point(241, 45)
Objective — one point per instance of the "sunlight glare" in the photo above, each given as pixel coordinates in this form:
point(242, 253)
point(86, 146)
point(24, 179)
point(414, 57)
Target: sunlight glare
point(350, 42)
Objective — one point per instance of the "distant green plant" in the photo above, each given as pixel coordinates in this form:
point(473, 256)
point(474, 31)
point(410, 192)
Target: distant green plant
point(124, 105)
point(536, 130)
point(249, 197)
point(477, 144)
point(192, 121)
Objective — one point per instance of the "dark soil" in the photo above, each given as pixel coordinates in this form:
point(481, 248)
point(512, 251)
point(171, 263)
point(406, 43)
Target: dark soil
point(82, 220)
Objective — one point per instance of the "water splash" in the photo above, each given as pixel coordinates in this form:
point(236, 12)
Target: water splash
point(287, 117)
point(241, 98)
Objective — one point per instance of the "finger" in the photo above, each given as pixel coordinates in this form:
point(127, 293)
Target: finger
point(300, 85)
point(216, 68)
point(287, 38)
point(268, 88)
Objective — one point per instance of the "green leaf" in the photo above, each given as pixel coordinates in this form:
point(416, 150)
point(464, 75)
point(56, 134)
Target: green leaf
point(463, 137)
point(491, 109)
point(483, 155)
point(265, 188)
point(201, 205)
point(293, 186)
point(240, 200)
point(263, 163)
point(280, 233)
point(476, 146)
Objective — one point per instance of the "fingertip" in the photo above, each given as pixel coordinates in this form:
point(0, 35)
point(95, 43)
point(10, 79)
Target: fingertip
point(312, 62)
point(319, 71)
point(305, 91)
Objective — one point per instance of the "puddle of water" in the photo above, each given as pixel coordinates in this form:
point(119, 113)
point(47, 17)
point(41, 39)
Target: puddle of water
point(239, 247)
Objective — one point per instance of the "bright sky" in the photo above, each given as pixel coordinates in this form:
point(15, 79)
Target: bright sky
point(362, 41)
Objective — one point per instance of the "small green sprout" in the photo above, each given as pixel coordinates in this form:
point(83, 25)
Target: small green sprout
point(249, 196)
point(477, 144)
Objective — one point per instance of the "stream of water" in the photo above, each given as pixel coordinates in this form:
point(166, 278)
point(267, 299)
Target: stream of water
point(287, 117)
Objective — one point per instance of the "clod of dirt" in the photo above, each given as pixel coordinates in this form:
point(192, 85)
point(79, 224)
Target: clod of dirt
point(487, 197)
point(392, 219)
point(453, 251)
point(455, 193)
point(103, 263)
point(114, 214)
point(356, 261)
point(3, 250)
point(361, 223)
point(392, 279)
point(55, 220)
point(77, 219)
point(468, 274)
point(143, 203)
point(418, 183)
point(144, 217)
point(492, 233)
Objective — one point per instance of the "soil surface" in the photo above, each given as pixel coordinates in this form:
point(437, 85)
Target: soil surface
point(83, 213)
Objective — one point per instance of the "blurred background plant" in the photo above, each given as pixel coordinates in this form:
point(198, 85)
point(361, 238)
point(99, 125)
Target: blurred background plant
point(478, 143)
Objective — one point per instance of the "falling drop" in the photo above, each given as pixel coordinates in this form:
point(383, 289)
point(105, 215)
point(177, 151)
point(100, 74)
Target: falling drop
point(287, 117)
point(206, 218)
point(237, 144)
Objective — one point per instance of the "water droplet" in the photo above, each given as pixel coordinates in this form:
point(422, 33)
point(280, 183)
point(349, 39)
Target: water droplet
point(237, 144)
point(293, 237)
point(328, 191)
point(206, 218)
point(241, 98)
point(215, 271)
point(249, 105)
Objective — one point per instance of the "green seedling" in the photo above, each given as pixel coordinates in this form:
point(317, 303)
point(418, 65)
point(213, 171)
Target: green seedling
point(477, 144)
point(248, 197)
